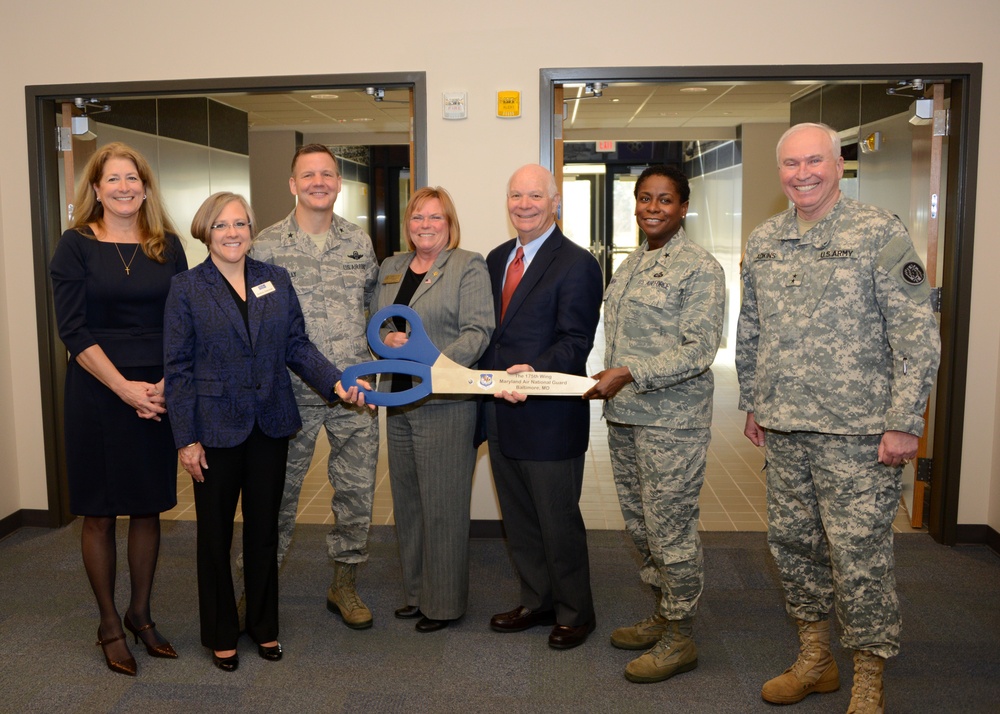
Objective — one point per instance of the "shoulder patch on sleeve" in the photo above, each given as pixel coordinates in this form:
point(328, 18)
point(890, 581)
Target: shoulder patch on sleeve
point(913, 273)
point(901, 263)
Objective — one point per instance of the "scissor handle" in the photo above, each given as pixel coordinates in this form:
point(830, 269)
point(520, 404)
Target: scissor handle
point(418, 347)
point(352, 374)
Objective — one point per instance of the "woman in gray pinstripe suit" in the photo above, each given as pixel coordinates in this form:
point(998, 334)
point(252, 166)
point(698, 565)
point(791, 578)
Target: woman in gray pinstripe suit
point(431, 452)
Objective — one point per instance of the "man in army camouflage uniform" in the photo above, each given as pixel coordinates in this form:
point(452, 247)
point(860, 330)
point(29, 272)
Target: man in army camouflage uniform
point(334, 271)
point(837, 348)
point(663, 315)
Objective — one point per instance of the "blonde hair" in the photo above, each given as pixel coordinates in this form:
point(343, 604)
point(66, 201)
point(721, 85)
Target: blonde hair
point(153, 221)
point(447, 205)
point(208, 213)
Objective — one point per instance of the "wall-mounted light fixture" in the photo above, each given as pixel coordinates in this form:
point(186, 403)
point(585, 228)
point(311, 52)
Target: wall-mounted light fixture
point(871, 143)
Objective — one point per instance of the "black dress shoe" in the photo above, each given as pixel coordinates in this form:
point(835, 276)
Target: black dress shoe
point(521, 618)
point(226, 664)
point(408, 612)
point(564, 637)
point(427, 624)
point(272, 654)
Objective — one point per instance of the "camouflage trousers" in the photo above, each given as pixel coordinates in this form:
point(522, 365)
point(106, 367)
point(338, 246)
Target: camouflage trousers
point(353, 436)
point(658, 474)
point(830, 507)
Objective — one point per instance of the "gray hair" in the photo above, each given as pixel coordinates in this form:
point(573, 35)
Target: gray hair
point(551, 179)
point(828, 130)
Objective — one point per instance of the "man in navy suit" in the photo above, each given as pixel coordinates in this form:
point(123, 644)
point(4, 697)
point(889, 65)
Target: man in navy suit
point(538, 446)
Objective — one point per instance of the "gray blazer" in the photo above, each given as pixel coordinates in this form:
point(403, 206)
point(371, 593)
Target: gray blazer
point(454, 301)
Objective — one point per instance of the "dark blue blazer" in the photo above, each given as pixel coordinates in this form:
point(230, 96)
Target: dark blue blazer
point(549, 324)
point(219, 381)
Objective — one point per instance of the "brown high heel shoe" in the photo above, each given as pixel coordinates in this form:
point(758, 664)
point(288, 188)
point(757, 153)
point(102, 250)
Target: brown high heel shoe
point(164, 650)
point(126, 666)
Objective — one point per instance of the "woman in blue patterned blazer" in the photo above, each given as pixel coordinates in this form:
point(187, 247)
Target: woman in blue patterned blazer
point(232, 328)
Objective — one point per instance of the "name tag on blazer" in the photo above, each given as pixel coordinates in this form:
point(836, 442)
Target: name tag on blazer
point(263, 289)
point(394, 278)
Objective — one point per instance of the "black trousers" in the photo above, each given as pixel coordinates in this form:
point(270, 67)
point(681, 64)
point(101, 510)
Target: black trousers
point(546, 535)
point(257, 469)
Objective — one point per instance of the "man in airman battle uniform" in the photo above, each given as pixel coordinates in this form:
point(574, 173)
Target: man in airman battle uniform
point(837, 349)
point(334, 271)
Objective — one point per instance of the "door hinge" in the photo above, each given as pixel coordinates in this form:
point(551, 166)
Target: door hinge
point(941, 119)
point(64, 139)
point(923, 472)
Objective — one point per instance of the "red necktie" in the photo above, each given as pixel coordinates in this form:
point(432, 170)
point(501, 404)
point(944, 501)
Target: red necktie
point(514, 272)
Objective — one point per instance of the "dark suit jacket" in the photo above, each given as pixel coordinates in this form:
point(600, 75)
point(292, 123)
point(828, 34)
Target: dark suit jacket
point(549, 324)
point(219, 383)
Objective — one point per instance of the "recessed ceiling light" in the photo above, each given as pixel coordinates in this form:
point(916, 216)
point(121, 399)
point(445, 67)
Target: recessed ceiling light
point(324, 96)
point(362, 119)
point(615, 100)
point(694, 89)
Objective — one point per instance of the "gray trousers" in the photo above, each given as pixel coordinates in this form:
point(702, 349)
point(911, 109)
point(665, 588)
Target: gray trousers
point(431, 462)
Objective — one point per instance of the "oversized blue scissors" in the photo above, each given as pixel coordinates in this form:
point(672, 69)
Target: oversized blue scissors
point(418, 357)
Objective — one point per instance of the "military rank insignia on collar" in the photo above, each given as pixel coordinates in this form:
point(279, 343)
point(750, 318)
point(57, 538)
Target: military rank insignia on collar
point(913, 273)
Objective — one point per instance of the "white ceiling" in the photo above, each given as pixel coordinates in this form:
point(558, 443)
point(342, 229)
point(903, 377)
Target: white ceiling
point(622, 106)
point(314, 111)
point(682, 105)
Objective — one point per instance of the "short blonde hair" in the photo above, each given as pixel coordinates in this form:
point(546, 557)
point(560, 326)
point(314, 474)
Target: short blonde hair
point(208, 213)
point(447, 205)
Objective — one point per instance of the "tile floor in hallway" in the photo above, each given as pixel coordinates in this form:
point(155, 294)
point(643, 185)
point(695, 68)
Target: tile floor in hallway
point(732, 499)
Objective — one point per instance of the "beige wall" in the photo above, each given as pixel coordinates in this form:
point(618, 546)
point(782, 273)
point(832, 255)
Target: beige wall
point(762, 194)
point(479, 48)
point(270, 154)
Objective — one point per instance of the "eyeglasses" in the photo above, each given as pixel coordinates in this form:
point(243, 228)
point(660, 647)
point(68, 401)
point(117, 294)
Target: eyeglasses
point(238, 225)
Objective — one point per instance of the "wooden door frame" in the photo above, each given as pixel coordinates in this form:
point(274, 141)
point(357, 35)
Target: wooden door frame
point(966, 81)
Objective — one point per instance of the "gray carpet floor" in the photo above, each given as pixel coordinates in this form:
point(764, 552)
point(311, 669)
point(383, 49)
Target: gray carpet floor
point(48, 663)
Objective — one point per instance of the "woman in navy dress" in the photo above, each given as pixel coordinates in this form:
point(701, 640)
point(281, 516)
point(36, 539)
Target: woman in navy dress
point(110, 276)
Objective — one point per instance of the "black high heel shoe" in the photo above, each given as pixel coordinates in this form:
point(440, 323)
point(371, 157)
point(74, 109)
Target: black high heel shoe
point(226, 664)
point(164, 650)
point(125, 666)
point(272, 654)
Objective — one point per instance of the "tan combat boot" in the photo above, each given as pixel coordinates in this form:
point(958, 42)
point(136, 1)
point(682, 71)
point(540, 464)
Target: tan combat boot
point(674, 653)
point(342, 599)
point(867, 696)
point(640, 636)
point(815, 670)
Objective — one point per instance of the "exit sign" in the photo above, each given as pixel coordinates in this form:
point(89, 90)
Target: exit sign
point(605, 146)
